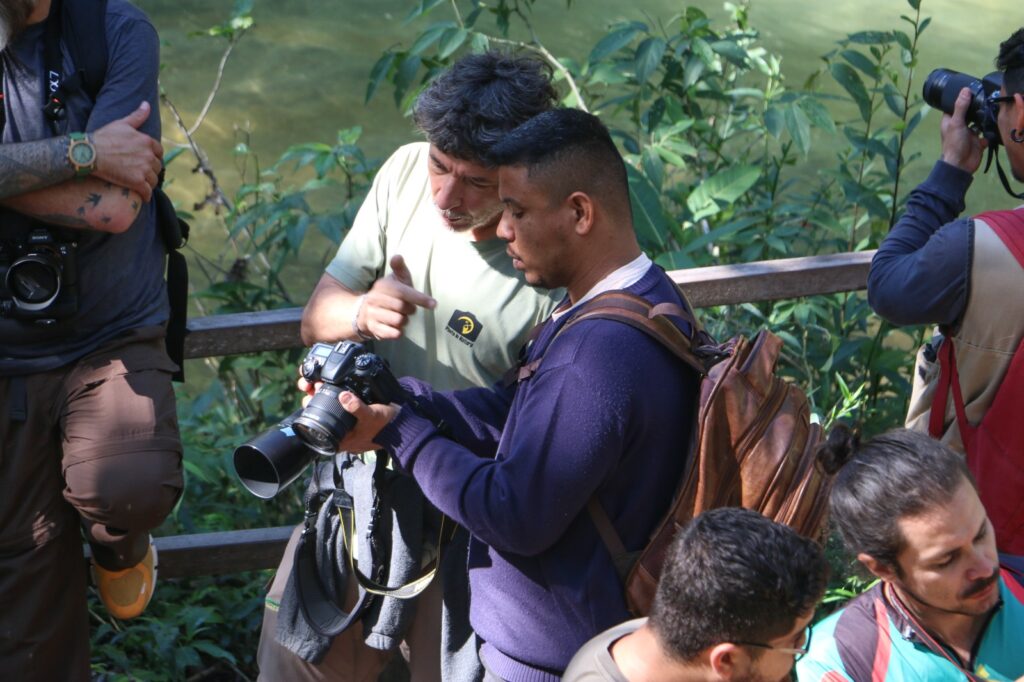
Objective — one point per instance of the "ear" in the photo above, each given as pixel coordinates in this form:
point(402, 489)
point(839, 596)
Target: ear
point(877, 568)
point(583, 211)
point(728, 662)
point(1018, 111)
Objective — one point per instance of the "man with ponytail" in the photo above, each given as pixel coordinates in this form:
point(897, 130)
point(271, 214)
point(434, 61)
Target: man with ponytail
point(907, 508)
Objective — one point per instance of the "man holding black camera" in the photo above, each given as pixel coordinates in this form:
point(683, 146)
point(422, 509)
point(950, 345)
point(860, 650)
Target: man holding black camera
point(88, 430)
point(423, 279)
point(964, 274)
point(596, 417)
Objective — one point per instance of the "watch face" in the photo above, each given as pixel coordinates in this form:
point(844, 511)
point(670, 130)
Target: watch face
point(82, 153)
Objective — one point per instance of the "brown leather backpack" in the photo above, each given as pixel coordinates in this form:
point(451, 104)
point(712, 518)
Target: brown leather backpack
point(754, 443)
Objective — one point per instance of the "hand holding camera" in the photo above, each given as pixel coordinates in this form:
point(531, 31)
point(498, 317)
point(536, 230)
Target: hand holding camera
point(273, 459)
point(961, 147)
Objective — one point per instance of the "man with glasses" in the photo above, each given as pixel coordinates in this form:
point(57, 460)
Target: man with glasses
point(735, 599)
point(943, 609)
point(962, 273)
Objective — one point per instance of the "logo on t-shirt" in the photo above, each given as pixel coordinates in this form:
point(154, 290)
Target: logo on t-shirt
point(464, 327)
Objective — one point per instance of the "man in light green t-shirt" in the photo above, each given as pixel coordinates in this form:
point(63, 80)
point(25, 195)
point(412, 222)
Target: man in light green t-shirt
point(423, 277)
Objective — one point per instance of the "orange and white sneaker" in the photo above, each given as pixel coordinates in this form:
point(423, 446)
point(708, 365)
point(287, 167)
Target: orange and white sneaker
point(127, 592)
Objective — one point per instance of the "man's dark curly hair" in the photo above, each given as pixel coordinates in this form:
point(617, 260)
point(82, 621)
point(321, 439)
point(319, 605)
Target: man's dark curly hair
point(1011, 62)
point(473, 104)
point(733, 575)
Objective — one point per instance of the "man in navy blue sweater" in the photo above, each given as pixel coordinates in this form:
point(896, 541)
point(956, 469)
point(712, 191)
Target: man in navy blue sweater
point(606, 414)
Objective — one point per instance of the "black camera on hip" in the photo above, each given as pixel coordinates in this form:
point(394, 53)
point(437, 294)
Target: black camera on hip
point(38, 277)
point(347, 366)
point(943, 86)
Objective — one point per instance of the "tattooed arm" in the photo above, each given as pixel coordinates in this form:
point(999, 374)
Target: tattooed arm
point(89, 204)
point(37, 179)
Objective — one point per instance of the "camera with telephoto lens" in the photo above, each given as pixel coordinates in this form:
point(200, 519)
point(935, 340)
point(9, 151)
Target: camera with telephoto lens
point(943, 86)
point(347, 366)
point(38, 277)
point(269, 462)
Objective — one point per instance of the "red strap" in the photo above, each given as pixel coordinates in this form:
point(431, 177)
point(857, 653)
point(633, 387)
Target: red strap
point(949, 377)
point(1009, 226)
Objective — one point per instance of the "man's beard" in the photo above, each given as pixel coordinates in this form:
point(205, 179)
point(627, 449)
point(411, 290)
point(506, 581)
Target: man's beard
point(964, 594)
point(470, 221)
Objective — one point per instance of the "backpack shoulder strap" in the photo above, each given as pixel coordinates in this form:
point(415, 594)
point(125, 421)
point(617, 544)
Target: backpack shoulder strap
point(84, 29)
point(1009, 227)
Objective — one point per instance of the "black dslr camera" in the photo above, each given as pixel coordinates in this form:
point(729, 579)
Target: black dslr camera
point(943, 86)
point(38, 277)
point(347, 366)
point(269, 462)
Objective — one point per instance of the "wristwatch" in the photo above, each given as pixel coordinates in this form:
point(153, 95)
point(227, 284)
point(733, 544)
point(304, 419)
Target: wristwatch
point(81, 154)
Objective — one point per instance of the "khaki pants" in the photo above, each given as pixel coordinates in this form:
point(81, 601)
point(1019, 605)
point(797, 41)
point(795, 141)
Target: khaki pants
point(92, 445)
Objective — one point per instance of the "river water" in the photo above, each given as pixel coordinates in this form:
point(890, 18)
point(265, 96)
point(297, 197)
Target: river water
point(301, 75)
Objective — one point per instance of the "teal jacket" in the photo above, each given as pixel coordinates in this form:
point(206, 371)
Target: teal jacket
point(871, 640)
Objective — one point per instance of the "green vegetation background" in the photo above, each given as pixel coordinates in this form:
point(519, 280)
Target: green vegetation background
point(716, 141)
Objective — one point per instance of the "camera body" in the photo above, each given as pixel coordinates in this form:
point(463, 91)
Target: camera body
point(943, 86)
point(345, 366)
point(38, 277)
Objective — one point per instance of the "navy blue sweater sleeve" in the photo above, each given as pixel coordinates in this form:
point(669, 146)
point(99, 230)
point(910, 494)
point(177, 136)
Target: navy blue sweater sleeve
point(568, 432)
point(473, 417)
point(920, 272)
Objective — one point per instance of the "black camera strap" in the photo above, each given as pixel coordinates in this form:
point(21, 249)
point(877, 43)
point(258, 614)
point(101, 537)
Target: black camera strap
point(322, 613)
point(993, 154)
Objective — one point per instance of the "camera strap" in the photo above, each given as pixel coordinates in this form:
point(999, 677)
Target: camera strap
point(993, 154)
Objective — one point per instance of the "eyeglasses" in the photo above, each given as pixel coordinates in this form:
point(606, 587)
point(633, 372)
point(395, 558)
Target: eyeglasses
point(997, 99)
point(798, 652)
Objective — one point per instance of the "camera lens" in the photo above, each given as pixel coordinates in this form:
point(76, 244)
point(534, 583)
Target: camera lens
point(34, 281)
point(324, 422)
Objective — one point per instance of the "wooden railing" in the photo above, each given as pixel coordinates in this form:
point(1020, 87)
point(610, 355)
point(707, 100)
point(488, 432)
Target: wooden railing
point(241, 550)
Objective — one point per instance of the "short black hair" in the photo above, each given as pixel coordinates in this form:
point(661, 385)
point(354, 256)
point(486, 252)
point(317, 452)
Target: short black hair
point(898, 474)
point(566, 150)
point(1011, 62)
point(482, 96)
point(732, 575)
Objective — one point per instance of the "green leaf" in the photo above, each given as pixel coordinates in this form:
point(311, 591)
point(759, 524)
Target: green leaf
point(915, 4)
point(378, 72)
point(651, 226)
point(894, 100)
point(480, 42)
point(861, 62)
point(773, 121)
point(430, 36)
point(615, 41)
point(731, 51)
point(726, 187)
point(701, 48)
point(903, 39)
point(799, 127)
point(174, 153)
point(653, 167)
point(648, 58)
point(851, 82)
point(870, 37)
point(452, 40)
point(213, 650)
point(818, 114)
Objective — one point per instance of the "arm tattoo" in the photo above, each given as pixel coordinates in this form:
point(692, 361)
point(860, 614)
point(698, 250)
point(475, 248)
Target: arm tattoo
point(28, 166)
point(94, 199)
